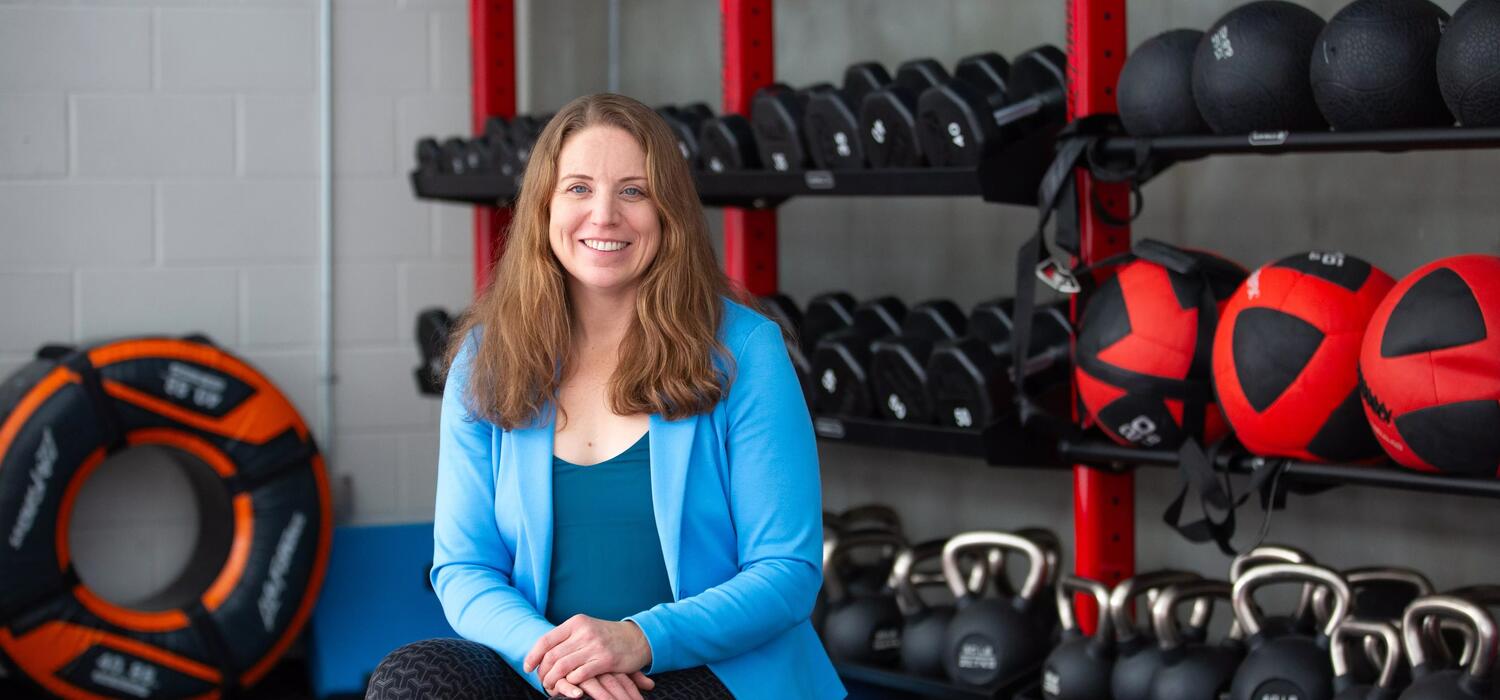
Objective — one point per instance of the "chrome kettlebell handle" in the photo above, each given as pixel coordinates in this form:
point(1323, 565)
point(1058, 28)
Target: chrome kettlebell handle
point(833, 585)
point(1070, 584)
point(1122, 599)
point(1036, 575)
point(1163, 611)
point(1248, 616)
point(1451, 607)
point(1368, 630)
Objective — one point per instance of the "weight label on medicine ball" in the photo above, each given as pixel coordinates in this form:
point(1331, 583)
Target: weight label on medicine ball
point(977, 653)
point(1332, 259)
point(1141, 431)
point(1222, 48)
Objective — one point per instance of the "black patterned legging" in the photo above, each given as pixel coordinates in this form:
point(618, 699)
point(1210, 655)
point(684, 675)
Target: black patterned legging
point(457, 669)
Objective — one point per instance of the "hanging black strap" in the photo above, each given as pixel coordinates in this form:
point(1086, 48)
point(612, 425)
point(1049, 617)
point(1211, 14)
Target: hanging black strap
point(1200, 474)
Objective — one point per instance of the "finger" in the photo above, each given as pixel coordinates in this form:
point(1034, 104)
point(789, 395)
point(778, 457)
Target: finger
point(597, 691)
point(549, 660)
point(548, 640)
point(567, 689)
point(627, 687)
point(564, 667)
point(588, 669)
point(642, 681)
point(612, 683)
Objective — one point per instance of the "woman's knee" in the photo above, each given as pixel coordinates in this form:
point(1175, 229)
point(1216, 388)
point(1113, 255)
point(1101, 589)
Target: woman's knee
point(443, 668)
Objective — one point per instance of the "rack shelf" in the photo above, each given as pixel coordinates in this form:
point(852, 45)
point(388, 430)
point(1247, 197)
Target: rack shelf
point(933, 687)
point(1003, 443)
point(1382, 475)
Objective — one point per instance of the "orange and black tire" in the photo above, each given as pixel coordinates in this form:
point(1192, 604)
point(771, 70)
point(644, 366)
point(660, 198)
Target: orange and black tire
point(240, 608)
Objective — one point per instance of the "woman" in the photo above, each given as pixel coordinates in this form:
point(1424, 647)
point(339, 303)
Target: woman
point(628, 500)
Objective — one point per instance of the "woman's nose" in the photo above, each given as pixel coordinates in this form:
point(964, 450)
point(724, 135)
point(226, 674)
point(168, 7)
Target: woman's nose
point(604, 211)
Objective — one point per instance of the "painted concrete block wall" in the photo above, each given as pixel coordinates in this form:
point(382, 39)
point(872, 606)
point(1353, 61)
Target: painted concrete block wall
point(158, 174)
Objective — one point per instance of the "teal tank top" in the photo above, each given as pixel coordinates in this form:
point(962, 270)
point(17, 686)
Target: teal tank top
point(606, 555)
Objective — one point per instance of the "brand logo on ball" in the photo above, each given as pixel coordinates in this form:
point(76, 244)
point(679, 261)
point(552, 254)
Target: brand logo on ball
point(1141, 431)
point(136, 678)
point(886, 639)
point(187, 384)
point(977, 655)
point(1373, 401)
point(1222, 48)
point(1331, 259)
point(286, 547)
point(31, 503)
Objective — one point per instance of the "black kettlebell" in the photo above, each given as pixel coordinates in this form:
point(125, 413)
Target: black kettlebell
point(994, 639)
point(1380, 593)
point(1378, 633)
point(1137, 655)
point(924, 627)
point(869, 572)
point(831, 534)
point(862, 628)
point(1191, 670)
point(1290, 664)
point(1430, 681)
point(1303, 620)
point(1079, 667)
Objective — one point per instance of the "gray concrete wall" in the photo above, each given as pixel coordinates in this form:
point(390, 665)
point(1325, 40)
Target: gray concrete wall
point(1398, 211)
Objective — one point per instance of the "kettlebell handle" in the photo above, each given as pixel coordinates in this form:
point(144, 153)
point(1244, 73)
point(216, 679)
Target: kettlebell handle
point(1276, 554)
point(1036, 575)
point(1163, 611)
point(1367, 629)
point(1452, 607)
point(1244, 591)
point(1070, 584)
point(903, 578)
point(849, 542)
point(1374, 574)
point(1122, 599)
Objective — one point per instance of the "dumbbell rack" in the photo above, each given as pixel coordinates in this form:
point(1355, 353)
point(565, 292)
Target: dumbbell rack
point(1104, 514)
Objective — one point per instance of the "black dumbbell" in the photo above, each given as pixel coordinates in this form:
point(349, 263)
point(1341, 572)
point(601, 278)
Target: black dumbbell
point(962, 120)
point(841, 360)
point(898, 364)
point(970, 379)
point(888, 116)
point(826, 313)
point(495, 141)
point(524, 130)
point(433, 327)
point(685, 121)
point(727, 143)
point(776, 114)
point(831, 121)
point(429, 156)
point(781, 309)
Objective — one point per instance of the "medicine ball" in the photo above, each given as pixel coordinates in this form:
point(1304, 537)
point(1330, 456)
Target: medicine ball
point(1468, 63)
point(1430, 368)
point(1144, 347)
point(1375, 66)
point(1156, 86)
point(1250, 70)
point(1286, 357)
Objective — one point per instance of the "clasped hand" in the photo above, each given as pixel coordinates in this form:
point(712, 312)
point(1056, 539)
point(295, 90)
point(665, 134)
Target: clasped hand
point(588, 655)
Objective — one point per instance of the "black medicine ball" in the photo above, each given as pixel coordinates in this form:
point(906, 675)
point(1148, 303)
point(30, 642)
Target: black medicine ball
point(1375, 66)
point(1468, 63)
point(1250, 72)
point(1156, 86)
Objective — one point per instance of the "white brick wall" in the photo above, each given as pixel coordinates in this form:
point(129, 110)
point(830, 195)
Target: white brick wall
point(158, 165)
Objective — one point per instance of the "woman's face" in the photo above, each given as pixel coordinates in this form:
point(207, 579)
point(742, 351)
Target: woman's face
point(604, 228)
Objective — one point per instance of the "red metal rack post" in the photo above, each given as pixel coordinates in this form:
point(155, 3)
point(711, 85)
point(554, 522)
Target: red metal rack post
point(1103, 503)
point(492, 42)
point(749, 64)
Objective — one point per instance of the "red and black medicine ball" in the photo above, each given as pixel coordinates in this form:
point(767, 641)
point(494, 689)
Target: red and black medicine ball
point(1144, 350)
point(1430, 368)
point(1286, 357)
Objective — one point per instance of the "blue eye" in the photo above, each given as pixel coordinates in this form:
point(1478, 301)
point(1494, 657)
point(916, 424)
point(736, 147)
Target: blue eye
point(633, 191)
point(578, 188)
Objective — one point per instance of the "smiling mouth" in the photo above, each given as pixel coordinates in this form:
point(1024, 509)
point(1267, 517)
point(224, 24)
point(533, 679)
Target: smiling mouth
point(605, 246)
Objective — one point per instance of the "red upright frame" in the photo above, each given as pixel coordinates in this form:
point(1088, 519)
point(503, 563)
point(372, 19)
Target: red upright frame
point(492, 51)
point(1103, 503)
point(750, 247)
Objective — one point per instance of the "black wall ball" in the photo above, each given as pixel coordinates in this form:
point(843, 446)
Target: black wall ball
point(1375, 66)
point(1155, 91)
point(1468, 63)
point(1250, 71)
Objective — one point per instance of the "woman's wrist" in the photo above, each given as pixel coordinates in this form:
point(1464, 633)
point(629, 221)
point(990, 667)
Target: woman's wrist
point(641, 644)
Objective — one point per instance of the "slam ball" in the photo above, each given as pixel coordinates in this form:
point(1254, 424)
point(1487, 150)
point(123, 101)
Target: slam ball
point(1286, 357)
point(1468, 63)
point(1430, 368)
point(1375, 66)
point(1144, 349)
point(1250, 70)
point(1156, 86)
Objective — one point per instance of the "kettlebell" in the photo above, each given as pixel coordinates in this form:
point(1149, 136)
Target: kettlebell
point(1290, 664)
point(923, 626)
point(1302, 620)
point(1385, 638)
point(1051, 551)
point(1430, 681)
point(1137, 655)
point(868, 573)
point(993, 639)
point(1191, 670)
point(1079, 667)
point(862, 628)
point(1380, 593)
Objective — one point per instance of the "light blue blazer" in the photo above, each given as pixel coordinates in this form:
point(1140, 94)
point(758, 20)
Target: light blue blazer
point(738, 508)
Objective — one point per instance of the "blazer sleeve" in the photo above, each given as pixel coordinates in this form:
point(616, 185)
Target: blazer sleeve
point(471, 563)
point(775, 499)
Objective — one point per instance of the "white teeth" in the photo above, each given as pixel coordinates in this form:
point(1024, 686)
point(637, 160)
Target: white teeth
point(606, 246)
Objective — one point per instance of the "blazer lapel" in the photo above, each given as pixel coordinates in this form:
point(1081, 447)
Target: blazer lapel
point(533, 465)
point(671, 449)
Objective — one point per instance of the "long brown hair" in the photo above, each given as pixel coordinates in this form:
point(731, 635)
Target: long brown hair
point(666, 358)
